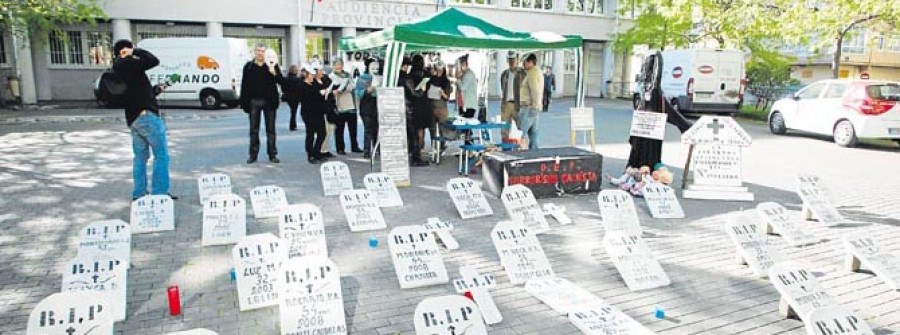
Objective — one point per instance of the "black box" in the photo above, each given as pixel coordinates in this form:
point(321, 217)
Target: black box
point(547, 172)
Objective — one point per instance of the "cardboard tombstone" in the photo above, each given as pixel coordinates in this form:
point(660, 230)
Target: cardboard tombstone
point(392, 135)
point(558, 213)
point(152, 213)
point(800, 291)
point(335, 178)
point(448, 315)
point(778, 220)
point(303, 232)
point(867, 251)
point(441, 230)
point(520, 252)
point(267, 201)
point(716, 159)
point(835, 320)
point(76, 313)
point(752, 243)
point(618, 212)
point(417, 259)
point(106, 238)
point(257, 264)
point(603, 319)
point(310, 298)
point(522, 206)
point(213, 184)
point(385, 190)
point(468, 198)
point(362, 211)
point(560, 294)
point(662, 201)
point(634, 260)
point(478, 285)
point(817, 200)
point(224, 220)
point(195, 331)
point(101, 275)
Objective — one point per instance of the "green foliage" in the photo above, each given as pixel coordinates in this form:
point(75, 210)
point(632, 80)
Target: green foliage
point(655, 30)
point(40, 16)
point(768, 76)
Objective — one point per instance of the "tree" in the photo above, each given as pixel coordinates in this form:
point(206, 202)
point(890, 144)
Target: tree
point(834, 20)
point(768, 75)
point(21, 17)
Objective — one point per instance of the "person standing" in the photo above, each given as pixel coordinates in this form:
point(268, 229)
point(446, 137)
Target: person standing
point(531, 94)
point(467, 88)
point(290, 94)
point(438, 91)
point(148, 131)
point(330, 110)
point(346, 109)
point(549, 86)
point(259, 97)
point(368, 104)
point(311, 94)
point(510, 84)
point(410, 78)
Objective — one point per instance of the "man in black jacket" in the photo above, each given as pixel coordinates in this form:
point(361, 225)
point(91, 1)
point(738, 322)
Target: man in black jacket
point(259, 95)
point(148, 132)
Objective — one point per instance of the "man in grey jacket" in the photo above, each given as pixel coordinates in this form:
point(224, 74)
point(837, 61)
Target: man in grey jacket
point(531, 95)
point(510, 84)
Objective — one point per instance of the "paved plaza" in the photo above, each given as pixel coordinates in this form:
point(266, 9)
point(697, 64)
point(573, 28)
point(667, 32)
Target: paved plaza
point(62, 169)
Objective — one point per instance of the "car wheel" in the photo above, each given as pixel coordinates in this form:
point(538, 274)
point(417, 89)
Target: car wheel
point(776, 124)
point(210, 100)
point(844, 134)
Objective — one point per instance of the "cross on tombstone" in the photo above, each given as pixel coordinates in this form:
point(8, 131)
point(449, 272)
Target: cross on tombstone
point(441, 230)
point(817, 200)
point(224, 220)
point(472, 281)
point(445, 315)
point(416, 257)
point(301, 228)
point(310, 297)
point(71, 312)
point(520, 252)
point(106, 238)
point(634, 260)
point(101, 275)
point(800, 291)
point(152, 213)
point(715, 126)
point(867, 250)
point(468, 198)
point(777, 220)
point(751, 242)
point(558, 213)
point(257, 262)
point(267, 201)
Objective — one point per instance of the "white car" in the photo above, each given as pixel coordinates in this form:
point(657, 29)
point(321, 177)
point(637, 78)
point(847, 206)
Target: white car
point(848, 110)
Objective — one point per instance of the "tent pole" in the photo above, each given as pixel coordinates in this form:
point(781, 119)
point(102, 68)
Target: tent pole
point(579, 77)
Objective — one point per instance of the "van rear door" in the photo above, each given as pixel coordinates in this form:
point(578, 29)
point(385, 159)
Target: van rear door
point(730, 73)
point(706, 76)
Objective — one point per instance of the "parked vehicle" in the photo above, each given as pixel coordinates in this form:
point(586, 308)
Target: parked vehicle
point(847, 110)
point(204, 70)
point(702, 80)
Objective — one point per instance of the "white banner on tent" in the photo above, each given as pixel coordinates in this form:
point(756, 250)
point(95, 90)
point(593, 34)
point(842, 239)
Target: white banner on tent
point(799, 288)
point(335, 178)
point(650, 125)
point(834, 320)
point(752, 243)
point(302, 229)
point(310, 298)
point(560, 294)
point(520, 252)
point(362, 211)
point(634, 260)
point(71, 313)
point(100, 275)
point(152, 213)
point(817, 200)
point(267, 201)
point(385, 190)
point(868, 252)
point(417, 259)
point(106, 238)
point(448, 315)
point(470, 202)
point(257, 268)
point(789, 227)
point(392, 134)
point(604, 319)
point(662, 201)
point(213, 184)
point(617, 212)
point(522, 206)
point(224, 220)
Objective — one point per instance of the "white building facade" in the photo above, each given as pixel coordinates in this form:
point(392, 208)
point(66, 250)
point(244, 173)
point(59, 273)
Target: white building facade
point(60, 68)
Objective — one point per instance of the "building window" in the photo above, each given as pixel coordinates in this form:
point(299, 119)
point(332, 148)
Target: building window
point(532, 4)
point(3, 58)
point(170, 29)
point(272, 37)
point(890, 43)
point(854, 42)
point(589, 7)
point(81, 46)
point(569, 61)
point(475, 2)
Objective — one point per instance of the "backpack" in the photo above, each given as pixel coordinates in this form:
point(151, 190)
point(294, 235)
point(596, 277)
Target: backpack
point(111, 88)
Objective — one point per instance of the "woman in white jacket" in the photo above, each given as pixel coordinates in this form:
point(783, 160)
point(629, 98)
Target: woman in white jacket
point(346, 109)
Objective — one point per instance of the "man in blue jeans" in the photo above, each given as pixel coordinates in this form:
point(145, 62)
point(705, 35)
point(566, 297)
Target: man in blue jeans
point(148, 132)
point(531, 96)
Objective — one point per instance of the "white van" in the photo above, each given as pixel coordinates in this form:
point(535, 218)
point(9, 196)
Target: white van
point(703, 80)
point(204, 70)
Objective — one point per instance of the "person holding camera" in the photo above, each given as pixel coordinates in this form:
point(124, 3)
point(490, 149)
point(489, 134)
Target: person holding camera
point(148, 131)
point(259, 97)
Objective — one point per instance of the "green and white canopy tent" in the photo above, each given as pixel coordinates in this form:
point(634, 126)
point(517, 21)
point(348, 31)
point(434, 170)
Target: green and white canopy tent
point(452, 29)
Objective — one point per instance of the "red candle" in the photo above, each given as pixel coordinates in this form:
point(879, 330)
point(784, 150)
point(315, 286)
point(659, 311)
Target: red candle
point(174, 300)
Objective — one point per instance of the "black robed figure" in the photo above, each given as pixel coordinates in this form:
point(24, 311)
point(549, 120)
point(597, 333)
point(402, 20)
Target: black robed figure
point(645, 151)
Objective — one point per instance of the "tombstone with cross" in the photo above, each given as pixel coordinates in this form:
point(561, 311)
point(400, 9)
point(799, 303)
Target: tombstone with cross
point(302, 230)
point(267, 201)
point(417, 259)
point(441, 230)
point(100, 275)
point(715, 157)
point(152, 213)
point(478, 284)
point(448, 315)
point(71, 313)
point(106, 238)
point(257, 265)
